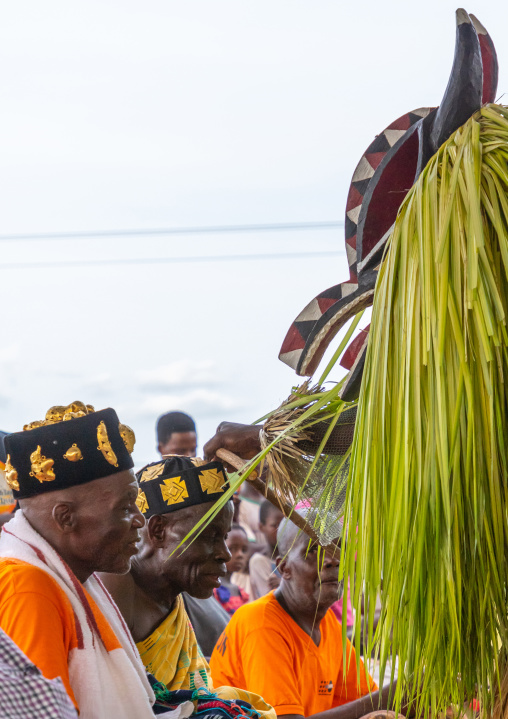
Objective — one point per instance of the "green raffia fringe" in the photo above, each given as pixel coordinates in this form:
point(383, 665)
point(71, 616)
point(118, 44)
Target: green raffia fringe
point(428, 495)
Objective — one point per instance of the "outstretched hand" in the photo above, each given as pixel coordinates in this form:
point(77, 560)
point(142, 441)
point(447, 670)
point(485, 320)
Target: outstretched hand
point(241, 439)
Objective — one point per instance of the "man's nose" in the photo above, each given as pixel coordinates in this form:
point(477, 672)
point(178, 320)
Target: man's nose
point(332, 558)
point(138, 520)
point(223, 554)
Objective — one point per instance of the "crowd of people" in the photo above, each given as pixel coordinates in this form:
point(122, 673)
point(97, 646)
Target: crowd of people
point(109, 608)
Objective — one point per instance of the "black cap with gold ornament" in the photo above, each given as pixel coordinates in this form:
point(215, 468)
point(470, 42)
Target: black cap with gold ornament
point(177, 482)
point(72, 445)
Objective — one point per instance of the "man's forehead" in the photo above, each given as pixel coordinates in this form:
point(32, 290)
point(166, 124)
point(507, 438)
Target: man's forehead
point(194, 513)
point(116, 485)
point(290, 538)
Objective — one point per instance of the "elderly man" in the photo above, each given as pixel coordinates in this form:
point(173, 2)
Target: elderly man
point(294, 632)
point(174, 496)
point(72, 475)
point(176, 434)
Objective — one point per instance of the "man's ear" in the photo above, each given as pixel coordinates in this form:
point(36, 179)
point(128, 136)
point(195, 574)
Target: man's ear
point(159, 448)
point(157, 526)
point(283, 566)
point(64, 516)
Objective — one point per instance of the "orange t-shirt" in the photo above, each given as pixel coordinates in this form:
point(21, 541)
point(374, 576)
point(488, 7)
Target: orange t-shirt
point(264, 651)
point(38, 617)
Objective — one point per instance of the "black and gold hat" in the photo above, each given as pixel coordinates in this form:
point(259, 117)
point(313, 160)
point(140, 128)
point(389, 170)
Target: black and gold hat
point(178, 482)
point(72, 445)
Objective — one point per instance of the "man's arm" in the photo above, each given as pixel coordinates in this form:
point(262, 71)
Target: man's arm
point(35, 624)
point(354, 710)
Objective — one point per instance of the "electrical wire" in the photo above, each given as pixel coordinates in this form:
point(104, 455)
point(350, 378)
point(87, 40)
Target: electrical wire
point(166, 260)
point(275, 227)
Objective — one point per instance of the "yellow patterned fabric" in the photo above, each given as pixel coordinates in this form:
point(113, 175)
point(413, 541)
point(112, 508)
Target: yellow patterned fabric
point(171, 653)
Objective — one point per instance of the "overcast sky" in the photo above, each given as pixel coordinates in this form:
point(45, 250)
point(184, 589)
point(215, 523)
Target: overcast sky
point(164, 114)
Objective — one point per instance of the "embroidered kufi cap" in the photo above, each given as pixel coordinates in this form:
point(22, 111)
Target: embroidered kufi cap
point(72, 445)
point(178, 482)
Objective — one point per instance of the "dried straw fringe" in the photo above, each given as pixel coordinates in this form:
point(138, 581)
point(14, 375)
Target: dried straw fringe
point(283, 426)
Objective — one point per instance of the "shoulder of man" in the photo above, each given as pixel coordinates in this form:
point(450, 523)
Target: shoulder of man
point(18, 577)
point(260, 618)
point(253, 616)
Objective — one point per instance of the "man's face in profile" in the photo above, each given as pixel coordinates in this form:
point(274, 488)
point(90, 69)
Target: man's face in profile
point(312, 573)
point(197, 566)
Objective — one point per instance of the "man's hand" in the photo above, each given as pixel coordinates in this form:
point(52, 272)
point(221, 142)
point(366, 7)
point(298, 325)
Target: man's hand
point(241, 439)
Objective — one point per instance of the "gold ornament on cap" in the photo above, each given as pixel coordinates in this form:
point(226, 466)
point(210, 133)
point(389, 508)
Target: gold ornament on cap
point(152, 472)
point(128, 436)
point(198, 462)
point(105, 445)
point(41, 467)
point(11, 475)
point(33, 425)
point(73, 454)
point(141, 502)
point(174, 490)
point(62, 414)
point(211, 481)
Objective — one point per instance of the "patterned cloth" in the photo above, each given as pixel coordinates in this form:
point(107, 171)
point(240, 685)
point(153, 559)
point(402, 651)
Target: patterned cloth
point(24, 692)
point(171, 654)
point(205, 705)
point(230, 602)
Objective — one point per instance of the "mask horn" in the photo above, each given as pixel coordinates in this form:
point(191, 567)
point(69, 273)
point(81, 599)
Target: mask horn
point(463, 95)
point(489, 62)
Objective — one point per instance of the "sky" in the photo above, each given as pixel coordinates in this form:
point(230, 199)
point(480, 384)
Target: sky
point(122, 116)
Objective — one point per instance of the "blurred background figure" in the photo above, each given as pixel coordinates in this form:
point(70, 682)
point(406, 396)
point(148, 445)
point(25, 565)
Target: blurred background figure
point(263, 572)
point(176, 434)
point(248, 516)
point(230, 594)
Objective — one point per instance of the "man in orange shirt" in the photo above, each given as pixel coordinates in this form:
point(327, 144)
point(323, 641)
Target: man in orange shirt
point(287, 646)
point(72, 475)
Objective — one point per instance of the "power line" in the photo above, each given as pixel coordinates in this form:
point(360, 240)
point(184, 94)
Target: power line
point(167, 260)
point(275, 227)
